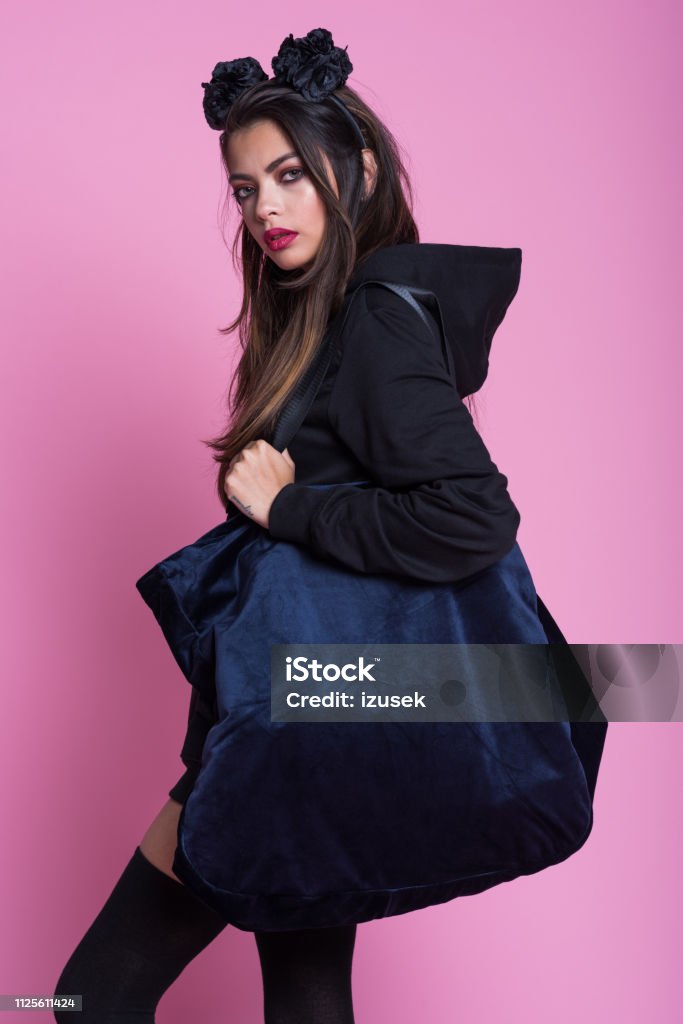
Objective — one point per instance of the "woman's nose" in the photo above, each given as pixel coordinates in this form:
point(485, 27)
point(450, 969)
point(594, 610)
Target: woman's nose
point(268, 202)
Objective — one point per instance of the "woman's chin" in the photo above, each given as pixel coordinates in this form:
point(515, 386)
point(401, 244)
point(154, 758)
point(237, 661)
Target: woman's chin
point(290, 260)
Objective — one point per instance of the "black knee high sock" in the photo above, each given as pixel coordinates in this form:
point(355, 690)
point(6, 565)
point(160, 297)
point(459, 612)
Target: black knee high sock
point(148, 930)
point(307, 975)
point(151, 927)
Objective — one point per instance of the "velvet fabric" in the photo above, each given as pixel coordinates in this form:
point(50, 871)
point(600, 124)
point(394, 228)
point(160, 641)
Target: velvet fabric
point(302, 825)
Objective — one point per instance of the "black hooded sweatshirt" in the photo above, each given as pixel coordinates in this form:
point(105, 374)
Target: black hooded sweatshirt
point(389, 410)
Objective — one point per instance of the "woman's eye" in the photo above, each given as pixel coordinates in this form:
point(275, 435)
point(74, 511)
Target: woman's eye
point(238, 193)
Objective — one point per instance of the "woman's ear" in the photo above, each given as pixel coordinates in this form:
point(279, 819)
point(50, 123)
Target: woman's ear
point(369, 170)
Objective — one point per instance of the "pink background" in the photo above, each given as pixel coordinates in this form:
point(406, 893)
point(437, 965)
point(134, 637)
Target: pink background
point(553, 127)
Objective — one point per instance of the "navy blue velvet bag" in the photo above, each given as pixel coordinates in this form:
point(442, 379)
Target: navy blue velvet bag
point(303, 825)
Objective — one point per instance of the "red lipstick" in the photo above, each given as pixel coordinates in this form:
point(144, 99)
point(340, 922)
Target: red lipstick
point(286, 237)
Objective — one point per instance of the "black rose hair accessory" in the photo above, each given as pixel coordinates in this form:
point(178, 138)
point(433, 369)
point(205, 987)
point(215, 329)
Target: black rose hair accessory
point(311, 64)
point(315, 67)
point(228, 79)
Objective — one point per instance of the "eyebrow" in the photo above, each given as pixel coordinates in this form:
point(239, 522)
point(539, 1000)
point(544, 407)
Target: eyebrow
point(269, 168)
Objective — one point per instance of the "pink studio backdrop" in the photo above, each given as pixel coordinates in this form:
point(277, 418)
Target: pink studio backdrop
point(553, 127)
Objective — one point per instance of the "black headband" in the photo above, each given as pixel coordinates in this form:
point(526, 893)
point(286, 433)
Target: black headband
point(312, 65)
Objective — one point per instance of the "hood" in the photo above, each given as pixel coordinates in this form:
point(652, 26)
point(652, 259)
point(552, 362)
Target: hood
point(474, 286)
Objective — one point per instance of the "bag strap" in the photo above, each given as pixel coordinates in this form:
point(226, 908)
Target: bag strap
point(303, 396)
point(431, 316)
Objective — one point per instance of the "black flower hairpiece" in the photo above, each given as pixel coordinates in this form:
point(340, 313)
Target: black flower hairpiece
point(312, 64)
point(228, 79)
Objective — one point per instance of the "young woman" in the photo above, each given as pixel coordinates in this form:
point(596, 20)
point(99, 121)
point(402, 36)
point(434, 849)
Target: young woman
point(321, 193)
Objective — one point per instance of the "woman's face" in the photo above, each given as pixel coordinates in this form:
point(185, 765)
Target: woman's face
point(275, 193)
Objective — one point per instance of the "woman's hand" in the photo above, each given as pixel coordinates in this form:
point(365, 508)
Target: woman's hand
point(255, 476)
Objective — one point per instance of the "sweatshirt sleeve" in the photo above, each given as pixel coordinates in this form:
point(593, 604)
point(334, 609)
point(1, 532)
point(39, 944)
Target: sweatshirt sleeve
point(441, 510)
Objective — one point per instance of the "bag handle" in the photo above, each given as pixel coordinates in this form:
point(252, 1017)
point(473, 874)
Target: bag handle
point(419, 298)
point(303, 396)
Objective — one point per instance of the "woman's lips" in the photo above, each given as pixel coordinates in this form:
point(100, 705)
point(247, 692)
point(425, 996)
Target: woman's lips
point(282, 242)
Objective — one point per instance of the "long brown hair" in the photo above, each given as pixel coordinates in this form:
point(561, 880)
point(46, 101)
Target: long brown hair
point(284, 314)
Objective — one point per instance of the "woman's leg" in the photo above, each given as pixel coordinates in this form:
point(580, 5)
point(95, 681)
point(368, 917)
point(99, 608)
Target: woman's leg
point(152, 926)
point(149, 929)
point(161, 838)
point(307, 975)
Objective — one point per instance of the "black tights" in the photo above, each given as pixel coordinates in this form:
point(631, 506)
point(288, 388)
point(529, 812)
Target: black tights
point(152, 926)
